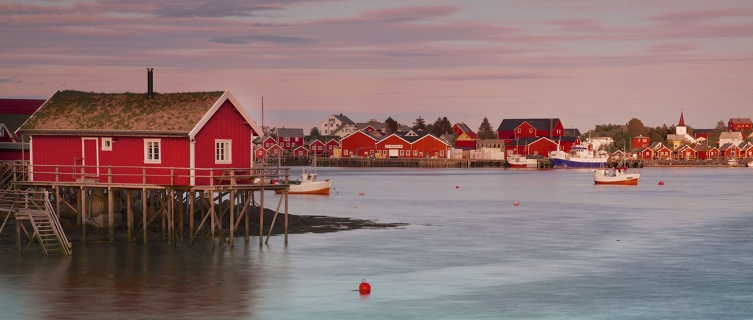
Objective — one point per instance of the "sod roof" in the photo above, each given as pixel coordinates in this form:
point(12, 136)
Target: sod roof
point(121, 112)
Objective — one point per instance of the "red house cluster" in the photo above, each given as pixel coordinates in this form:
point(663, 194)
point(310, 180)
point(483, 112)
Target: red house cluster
point(411, 144)
point(535, 137)
point(13, 113)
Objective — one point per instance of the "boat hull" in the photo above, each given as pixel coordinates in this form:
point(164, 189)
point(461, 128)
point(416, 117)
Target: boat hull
point(579, 163)
point(601, 176)
point(318, 187)
point(630, 182)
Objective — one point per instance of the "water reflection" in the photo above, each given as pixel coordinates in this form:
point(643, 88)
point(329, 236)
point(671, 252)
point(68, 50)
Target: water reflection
point(131, 280)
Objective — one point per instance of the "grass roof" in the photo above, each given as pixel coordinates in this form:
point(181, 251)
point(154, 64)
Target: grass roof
point(76, 110)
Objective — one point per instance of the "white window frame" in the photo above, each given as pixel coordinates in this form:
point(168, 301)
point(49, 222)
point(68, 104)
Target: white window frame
point(227, 156)
point(530, 130)
point(402, 153)
point(106, 144)
point(415, 153)
point(148, 157)
point(441, 153)
point(345, 152)
point(518, 130)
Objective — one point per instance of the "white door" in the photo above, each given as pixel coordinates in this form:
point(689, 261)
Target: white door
point(393, 153)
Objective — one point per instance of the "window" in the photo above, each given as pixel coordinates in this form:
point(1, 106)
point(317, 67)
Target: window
point(287, 144)
point(286, 139)
point(518, 130)
point(223, 151)
point(2, 133)
point(152, 151)
point(371, 152)
point(319, 148)
point(441, 153)
point(106, 144)
point(379, 151)
point(415, 153)
point(345, 152)
point(530, 130)
point(402, 152)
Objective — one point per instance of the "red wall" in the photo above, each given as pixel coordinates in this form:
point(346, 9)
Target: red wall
point(357, 141)
point(63, 152)
point(431, 147)
point(465, 144)
point(226, 123)
point(13, 155)
point(640, 142)
point(394, 140)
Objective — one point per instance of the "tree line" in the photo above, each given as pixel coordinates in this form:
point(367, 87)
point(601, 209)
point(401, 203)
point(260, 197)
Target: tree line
point(622, 135)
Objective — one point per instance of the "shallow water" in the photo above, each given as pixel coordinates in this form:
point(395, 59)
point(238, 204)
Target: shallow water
point(570, 250)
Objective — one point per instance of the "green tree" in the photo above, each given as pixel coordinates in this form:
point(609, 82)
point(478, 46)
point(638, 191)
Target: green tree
point(485, 130)
point(440, 127)
point(392, 125)
point(636, 128)
point(419, 124)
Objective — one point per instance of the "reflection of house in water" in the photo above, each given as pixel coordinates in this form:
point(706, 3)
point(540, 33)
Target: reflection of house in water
point(135, 281)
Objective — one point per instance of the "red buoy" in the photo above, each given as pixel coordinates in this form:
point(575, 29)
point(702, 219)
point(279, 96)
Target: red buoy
point(457, 187)
point(365, 287)
point(661, 183)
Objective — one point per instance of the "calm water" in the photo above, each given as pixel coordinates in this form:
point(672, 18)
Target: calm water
point(570, 250)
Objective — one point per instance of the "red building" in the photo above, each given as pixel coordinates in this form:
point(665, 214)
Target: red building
point(739, 124)
point(359, 144)
point(330, 147)
point(260, 153)
point(300, 152)
point(640, 142)
point(275, 151)
point(466, 138)
point(13, 113)
point(528, 128)
point(703, 152)
point(316, 147)
point(268, 142)
point(412, 145)
point(290, 139)
point(685, 152)
point(536, 146)
point(177, 138)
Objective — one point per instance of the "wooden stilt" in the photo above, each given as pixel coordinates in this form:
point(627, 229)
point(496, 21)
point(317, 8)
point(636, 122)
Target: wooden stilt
point(246, 207)
point(212, 213)
point(111, 214)
point(164, 218)
point(232, 217)
point(144, 210)
point(83, 215)
point(191, 200)
point(57, 201)
point(181, 213)
point(286, 217)
point(129, 214)
point(261, 218)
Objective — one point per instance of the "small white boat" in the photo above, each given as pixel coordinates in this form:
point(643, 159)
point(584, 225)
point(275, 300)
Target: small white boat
point(307, 184)
point(750, 164)
point(732, 162)
point(520, 161)
point(617, 176)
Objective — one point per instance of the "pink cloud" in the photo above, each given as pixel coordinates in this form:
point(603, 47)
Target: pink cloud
point(672, 47)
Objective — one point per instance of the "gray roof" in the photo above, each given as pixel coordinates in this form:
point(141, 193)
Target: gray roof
point(375, 125)
point(731, 135)
point(283, 132)
point(343, 119)
point(539, 124)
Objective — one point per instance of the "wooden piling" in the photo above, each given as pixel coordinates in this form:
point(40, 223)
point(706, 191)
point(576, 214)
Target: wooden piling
point(129, 215)
point(111, 214)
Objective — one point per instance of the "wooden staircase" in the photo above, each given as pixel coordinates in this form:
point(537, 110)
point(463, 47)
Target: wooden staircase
point(35, 207)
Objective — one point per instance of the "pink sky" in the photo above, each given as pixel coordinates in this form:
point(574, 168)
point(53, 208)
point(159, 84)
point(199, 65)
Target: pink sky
point(585, 62)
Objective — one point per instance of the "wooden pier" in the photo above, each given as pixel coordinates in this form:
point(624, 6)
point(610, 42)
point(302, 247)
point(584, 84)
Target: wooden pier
point(409, 163)
point(223, 205)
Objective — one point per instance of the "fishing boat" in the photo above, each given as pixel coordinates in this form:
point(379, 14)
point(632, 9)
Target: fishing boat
point(520, 161)
point(617, 176)
point(307, 184)
point(580, 156)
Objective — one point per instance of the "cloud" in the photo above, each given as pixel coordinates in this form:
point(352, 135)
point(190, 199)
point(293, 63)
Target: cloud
point(10, 80)
point(695, 16)
point(487, 76)
point(672, 47)
point(245, 39)
point(407, 14)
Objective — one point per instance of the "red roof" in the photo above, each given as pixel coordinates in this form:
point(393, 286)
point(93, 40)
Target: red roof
point(20, 106)
point(682, 121)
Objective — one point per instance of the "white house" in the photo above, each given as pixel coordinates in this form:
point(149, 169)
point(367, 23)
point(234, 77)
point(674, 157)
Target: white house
point(334, 122)
point(734, 137)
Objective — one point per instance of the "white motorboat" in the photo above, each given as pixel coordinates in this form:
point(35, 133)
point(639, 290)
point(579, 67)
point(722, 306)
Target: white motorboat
point(617, 176)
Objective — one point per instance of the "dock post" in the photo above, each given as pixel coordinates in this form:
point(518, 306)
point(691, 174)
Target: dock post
point(251, 194)
point(286, 217)
point(191, 199)
point(261, 218)
point(129, 215)
point(111, 214)
point(232, 216)
point(83, 214)
point(143, 212)
point(181, 213)
point(211, 213)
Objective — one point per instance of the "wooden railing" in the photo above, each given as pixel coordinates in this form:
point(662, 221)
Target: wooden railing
point(163, 176)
